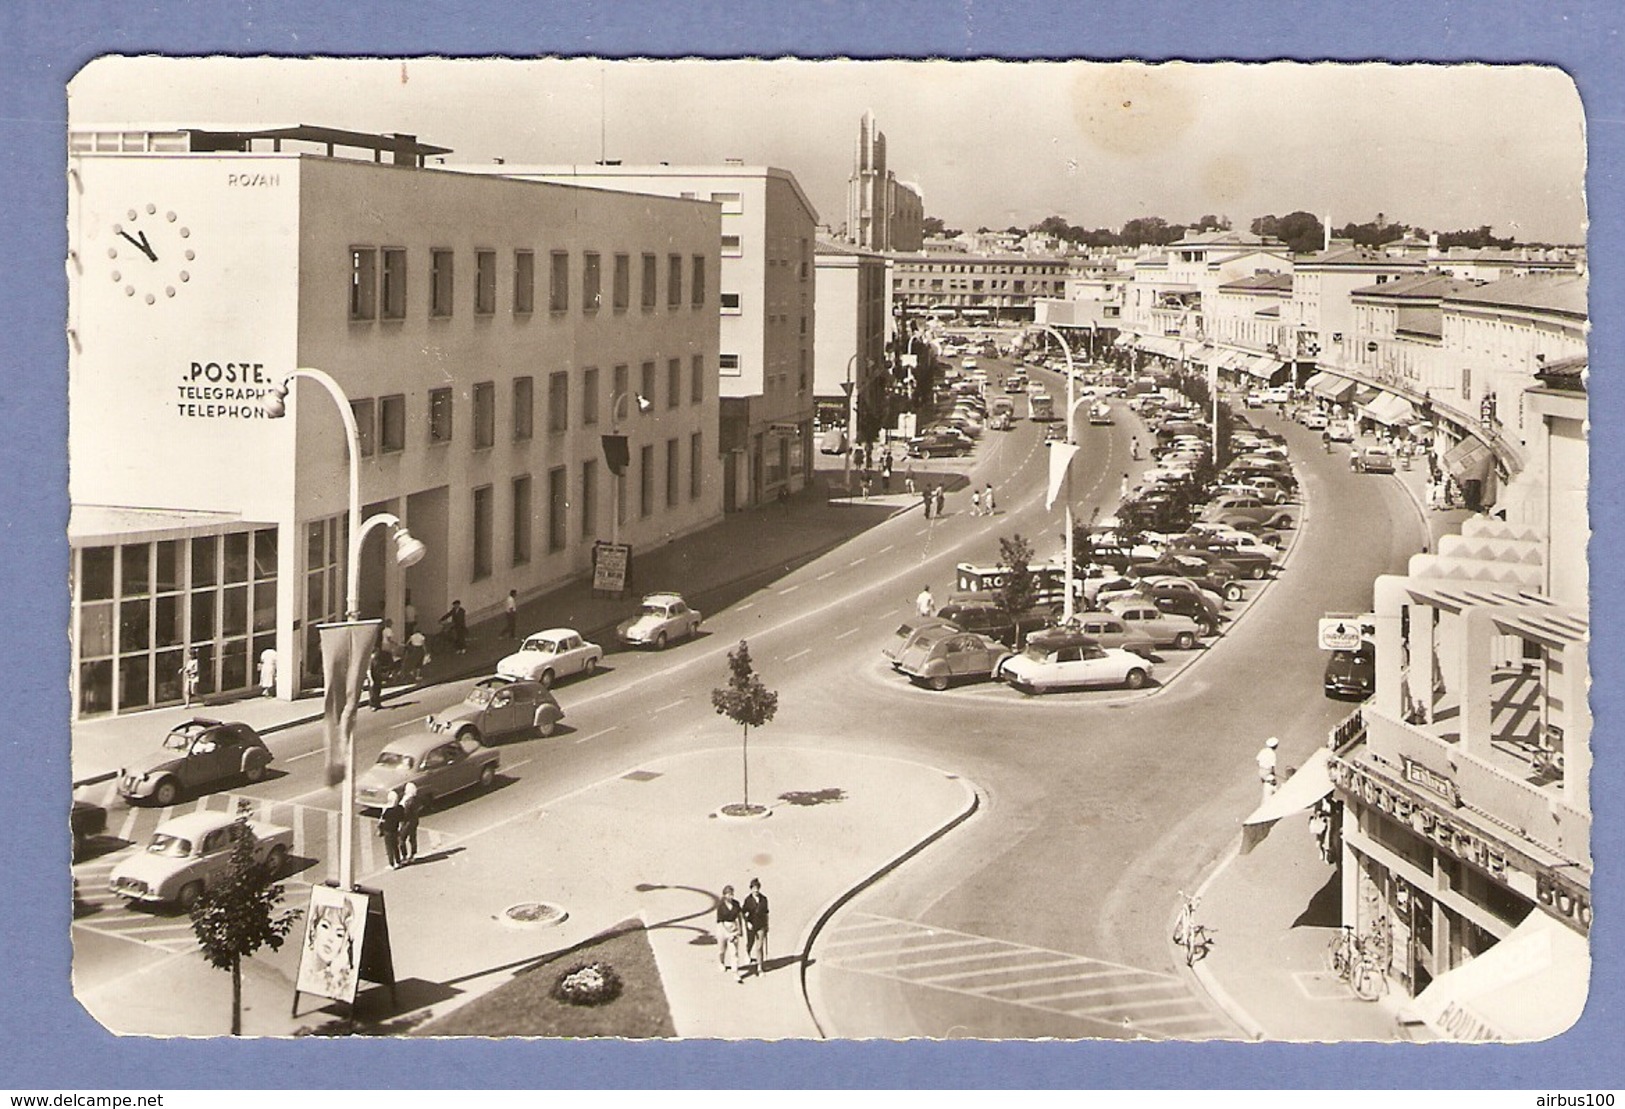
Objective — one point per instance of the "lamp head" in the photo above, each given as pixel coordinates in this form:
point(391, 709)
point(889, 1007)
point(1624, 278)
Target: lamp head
point(645, 404)
point(276, 401)
point(408, 551)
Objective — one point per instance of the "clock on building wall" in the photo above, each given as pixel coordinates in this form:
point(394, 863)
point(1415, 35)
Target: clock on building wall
point(151, 254)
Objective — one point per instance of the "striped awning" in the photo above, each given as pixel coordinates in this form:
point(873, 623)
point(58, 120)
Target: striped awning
point(1335, 389)
point(1390, 410)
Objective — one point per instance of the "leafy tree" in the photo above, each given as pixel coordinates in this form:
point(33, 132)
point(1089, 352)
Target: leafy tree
point(745, 701)
point(239, 915)
point(1016, 595)
point(1477, 239)
point(933, 228)
point(1150, 231)
point(1302, 232)
point(1212, 223)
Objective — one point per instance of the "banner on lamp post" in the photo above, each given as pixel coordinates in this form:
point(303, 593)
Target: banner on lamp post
point(347, 649)
point(1060, 467)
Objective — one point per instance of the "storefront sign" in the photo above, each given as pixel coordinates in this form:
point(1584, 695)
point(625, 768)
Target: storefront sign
point(1340, 634)
point(223, 390)
point(1564, 899)
point(610, 563)
point(1432, 781)
point(1458, 840)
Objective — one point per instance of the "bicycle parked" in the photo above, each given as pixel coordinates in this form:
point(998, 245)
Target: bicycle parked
point(1361, 961)
point(1190, 934)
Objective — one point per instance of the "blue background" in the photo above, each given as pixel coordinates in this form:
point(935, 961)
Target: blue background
point(48, 1042)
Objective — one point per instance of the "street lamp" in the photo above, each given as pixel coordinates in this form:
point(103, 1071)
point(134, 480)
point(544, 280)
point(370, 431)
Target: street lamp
point(347, 647)
point(1070, 446)
point(851, 427)
point(617, 455)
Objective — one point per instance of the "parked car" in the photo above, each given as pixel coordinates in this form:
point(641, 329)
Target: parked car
point(441, 765)
point(194, 756)
point(1313, 419)
point(1108, 630)
point(907, 630)
point(1341, 431)
point(188, 854)
point(939, 656)
point(1251, 561)
point(833, 441)
point(1209, 573)
point(1228, 510)
point(661, 619)
point(497, 706)
point(932, 445)
point(550, 655)
point(1166, 629)
point(86, 821)
point(1374, 460)
point(1184, 602)
point(1059, 662)
point(981, 615)
point(1352, 673)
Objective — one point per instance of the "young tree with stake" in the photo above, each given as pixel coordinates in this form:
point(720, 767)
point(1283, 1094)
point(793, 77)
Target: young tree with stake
point(748, 703)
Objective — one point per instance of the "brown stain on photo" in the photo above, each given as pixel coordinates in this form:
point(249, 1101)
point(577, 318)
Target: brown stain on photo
point(1133, 109)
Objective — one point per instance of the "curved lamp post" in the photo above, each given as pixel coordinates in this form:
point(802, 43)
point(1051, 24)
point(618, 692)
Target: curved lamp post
point(408, 552)
point(1067, 606)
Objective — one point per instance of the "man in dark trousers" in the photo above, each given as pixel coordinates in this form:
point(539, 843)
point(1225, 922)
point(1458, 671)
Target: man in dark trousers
point(754, 911)
point(457, 621)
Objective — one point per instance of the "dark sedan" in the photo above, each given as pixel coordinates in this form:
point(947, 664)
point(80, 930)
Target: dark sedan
point(195, 755)
point(1352, 673)
point(1208, 573)
point(932, 446)
point(1248, 563)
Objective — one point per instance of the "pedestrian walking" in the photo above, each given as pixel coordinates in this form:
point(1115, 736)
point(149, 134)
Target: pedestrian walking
point(189, 676)
point(754, 911)
point(941, 500)
point(925, 499)
point(389, 826)
point(885, 477)
point(1134, 447)
point(728, 926)
point(456, 623)
point(377, 675)
point(987, 500)
point(1124, 488)
point(975, 502)
point(1266, 766)
point(411, 808)
point(510, 615)
point(388, 644)
point(268, 672)
point(784, 499)
point(868, 484)
point(416, 654)
point(908, 477)
point(411, 615)
point(925, 604)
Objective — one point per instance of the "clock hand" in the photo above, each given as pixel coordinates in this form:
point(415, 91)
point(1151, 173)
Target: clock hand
point(141, 244)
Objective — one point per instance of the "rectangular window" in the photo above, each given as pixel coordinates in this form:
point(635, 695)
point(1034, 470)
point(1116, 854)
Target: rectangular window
point(730, 304)
point(694, 466)
point(558, 501)
point(363, 283)
point(558, 286)
point(365, 429)
point(392, 424)
point(521, 520)
point(623, 282)
point(591, 292)
point(674, 280)
point(731, 247)
point(558, 401)
point(650, 266)
point(674, 382)
point(394, 283)
point(485, 415)
point(696, 282)
point(646, 481)
point(485, 282)
point(439, 415)
point(524, 407)
point(440, 282)
point(671, 473)
point(732, 203)
point(806, 266)
point(589, 499)
point(696, 381)
point(647, 378)
point(728, 365)
point(482, 532)
point(589, 396)
point(524, 282)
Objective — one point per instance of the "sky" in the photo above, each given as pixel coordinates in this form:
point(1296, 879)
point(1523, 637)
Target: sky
point(987, 143)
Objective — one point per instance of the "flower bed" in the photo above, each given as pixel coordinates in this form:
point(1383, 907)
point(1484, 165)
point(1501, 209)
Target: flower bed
point(588, 984)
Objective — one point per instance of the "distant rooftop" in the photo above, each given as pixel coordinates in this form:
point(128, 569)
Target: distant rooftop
point(1561, 293)
point(403, 149)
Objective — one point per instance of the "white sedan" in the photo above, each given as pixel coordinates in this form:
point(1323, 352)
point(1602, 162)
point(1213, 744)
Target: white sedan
point(1064, 661)
point(550, 655)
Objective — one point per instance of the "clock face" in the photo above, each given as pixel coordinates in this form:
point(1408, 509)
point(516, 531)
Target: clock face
point(151, 253)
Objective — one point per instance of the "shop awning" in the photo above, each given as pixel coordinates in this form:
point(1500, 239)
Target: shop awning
point(1364, 395)
point(1335, 389)
point(1306, 787)
point(1317, 379)
point(1123, 340)
point(1470, 460)
point(1530, 986)
point(1390, 410)
point(1261, 366)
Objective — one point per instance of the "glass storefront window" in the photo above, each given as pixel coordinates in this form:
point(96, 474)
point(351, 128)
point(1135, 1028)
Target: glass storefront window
point(234, 664)
point(205, 668)
point(234, 612)
point(203, 616)
point(96, 574)
point(166, 673)
point(169, 566)
point(236, 558)
point(264, 606)
point(134, 625)
point(168, 630)
point(136, 577)
point(96, 686)
point(96, 631)
point(264, 554)
point(315, 548)
point(204, 570)
point(132, 682)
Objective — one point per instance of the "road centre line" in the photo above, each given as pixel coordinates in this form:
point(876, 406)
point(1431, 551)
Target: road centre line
point(823, 576)
point(799, 654)
point(860, 561)
point(789, 589)
point(599, 732)
point(306, 755)
point(847, 632)
point(673, 705)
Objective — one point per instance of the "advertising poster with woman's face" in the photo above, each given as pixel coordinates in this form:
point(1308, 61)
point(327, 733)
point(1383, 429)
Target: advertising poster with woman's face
point(331, 956)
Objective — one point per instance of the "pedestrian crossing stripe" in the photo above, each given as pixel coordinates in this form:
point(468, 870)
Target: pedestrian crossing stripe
point(1151, 1004)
